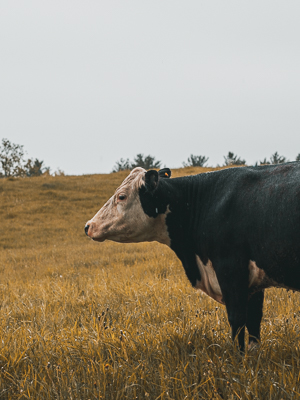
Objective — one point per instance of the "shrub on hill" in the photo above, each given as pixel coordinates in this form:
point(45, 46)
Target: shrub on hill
point(35, 168)
point(195, 161)
point(232, 159)
point(122, 165)
point(274, 159)
point(277, 159)
point(146, 162)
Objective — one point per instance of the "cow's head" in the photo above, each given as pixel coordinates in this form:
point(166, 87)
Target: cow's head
point(132, 214)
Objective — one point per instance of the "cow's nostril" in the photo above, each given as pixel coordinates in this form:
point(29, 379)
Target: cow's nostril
point(86, 229)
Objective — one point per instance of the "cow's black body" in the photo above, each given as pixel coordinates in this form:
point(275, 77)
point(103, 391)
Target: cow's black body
point(231, 217)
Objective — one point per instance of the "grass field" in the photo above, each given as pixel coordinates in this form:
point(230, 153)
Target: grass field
point(86, 320)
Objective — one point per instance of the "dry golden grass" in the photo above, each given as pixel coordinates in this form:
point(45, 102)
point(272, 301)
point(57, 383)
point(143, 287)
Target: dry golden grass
point(84, 320)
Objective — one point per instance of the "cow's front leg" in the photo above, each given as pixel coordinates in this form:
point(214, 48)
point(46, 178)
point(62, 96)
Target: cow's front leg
point(233, 280)
point(254, 316)
point(237, 319)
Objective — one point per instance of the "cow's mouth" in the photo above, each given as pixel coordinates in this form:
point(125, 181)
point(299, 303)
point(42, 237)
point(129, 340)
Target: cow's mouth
point(98, 239)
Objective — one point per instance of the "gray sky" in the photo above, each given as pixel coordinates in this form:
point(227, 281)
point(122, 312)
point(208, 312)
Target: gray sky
point(84, 83)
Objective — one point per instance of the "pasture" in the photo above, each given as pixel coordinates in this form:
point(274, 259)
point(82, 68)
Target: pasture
point(87, 320)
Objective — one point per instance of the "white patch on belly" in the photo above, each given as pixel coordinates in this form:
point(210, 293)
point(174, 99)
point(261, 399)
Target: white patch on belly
point(257, 276)
point(209, 283)
point(259, 279)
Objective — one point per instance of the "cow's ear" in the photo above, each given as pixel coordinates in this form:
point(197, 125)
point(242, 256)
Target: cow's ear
point(164, 173)
point(151, 180)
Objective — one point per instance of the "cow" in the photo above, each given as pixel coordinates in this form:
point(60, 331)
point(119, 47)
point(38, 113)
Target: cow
point(236, 231)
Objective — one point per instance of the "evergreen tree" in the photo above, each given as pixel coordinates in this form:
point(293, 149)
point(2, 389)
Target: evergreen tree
point(146, 162)
point(232, 159)
point(34, 168)
point(277, 159)
point(264, 162)
point(122, 165)
point(196, 161)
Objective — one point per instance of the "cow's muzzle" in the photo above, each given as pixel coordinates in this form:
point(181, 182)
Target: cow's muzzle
point(89, 230)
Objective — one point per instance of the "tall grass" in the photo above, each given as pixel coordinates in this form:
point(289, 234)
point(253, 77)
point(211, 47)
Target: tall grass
point(84, 320)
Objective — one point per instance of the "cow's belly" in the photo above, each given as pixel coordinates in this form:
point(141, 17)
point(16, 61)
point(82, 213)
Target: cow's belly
point(209, 283)
point(258, 279)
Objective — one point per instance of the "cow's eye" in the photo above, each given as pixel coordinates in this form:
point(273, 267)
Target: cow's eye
point(121, 197)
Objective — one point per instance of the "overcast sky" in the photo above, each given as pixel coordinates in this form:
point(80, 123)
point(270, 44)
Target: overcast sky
point(84, 83)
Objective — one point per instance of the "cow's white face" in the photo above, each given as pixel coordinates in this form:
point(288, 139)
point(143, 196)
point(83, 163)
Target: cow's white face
point(122, 218)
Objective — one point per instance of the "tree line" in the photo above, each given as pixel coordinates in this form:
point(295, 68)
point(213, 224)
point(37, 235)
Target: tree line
point(14, 164)
point(149, 162)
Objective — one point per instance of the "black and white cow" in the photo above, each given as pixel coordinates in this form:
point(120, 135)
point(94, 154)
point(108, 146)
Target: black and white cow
point(236, 231)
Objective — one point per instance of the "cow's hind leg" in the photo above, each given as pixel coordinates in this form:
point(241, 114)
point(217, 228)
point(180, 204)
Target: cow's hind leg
point(254, 316)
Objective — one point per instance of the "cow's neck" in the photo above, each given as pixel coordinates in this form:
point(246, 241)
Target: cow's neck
point(184, 197)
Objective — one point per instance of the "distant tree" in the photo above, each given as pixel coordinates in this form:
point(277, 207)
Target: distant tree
point(264, 162)
point(232, 159)
point(298, 157)
point(34, 168)
point(274, 159)
point(122, 165)
point(277, 159)
point(11, 158)
point(146, 162)
point(13, 162)
point(196, 161)
point(58, 172)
